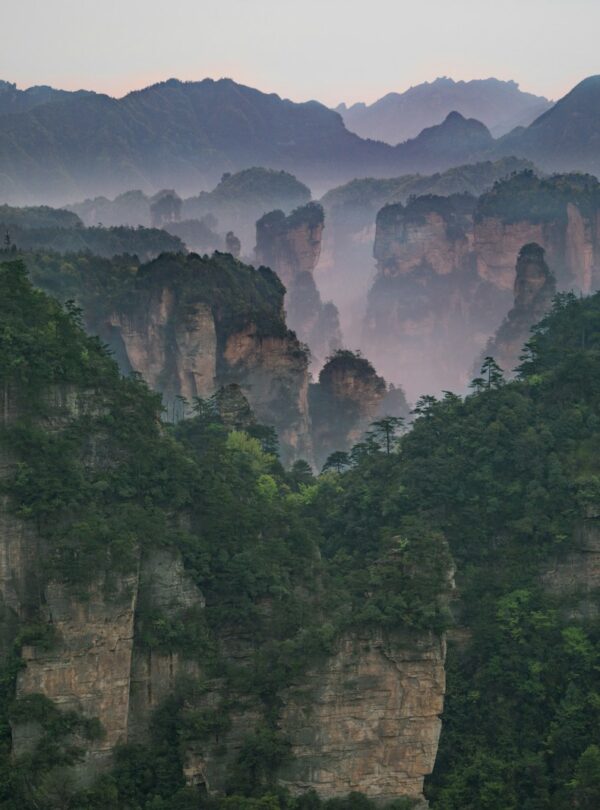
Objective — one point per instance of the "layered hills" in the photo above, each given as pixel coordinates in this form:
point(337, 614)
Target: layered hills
point(396, 117)
point(185, 135)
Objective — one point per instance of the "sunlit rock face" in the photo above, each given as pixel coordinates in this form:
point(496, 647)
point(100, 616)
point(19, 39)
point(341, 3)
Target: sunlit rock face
point(291, 246)
point(534, 288)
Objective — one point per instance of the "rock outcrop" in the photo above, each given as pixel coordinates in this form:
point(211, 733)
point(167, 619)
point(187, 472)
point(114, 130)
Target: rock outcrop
point(86, 669)
point(386, 696)
point(291, 246)
point(347, 398)
point(365, 718)
point(446, 268)
point(534, 288)
point(195, 324)
point(428, 310)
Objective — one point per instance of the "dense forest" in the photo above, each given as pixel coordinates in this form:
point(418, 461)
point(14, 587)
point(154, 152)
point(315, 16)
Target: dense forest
point(496, 486)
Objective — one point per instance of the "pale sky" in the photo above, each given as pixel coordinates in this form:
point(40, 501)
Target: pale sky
point(331, 50)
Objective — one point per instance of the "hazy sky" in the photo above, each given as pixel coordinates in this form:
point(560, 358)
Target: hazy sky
point(332, 50)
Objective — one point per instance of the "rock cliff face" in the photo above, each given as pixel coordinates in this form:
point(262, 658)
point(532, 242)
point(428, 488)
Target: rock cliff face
point(534, 288)
point(366, 718)
point(192, 326)
point(87, 667)
point(446, 266)
point(384, 696)
point(291, 246)
point(429, 308)
point(348, 396)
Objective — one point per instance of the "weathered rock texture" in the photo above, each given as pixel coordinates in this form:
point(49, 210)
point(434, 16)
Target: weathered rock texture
point(446, 266)
point(87, 669)
point(348, 396)
point(429, 309)
point(365, 718)
point(370, 717)
point(190, 327)
point(291, 246)
point(534, 288)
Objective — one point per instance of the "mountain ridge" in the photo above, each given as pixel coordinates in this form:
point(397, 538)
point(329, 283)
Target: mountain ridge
point(396, 117)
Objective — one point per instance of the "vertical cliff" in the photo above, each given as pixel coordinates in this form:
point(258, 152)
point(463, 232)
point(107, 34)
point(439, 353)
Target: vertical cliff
point(534, 289)
point(192, 325)
point(385, 695)
point(445, 270)
point(75, 643)
point(428, 309)
point(291, 246)
point(348, 396)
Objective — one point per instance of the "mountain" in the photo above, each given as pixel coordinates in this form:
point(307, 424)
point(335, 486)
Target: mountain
point(567, 136)
point(500, 105)
point(187, 625)
point(172, 134)
point(187, 134)
point(13, 100)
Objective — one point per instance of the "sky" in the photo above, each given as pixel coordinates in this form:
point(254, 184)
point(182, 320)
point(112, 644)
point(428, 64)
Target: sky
point(330, 50)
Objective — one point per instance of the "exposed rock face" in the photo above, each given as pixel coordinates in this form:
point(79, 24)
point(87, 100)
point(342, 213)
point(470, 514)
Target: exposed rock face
point(272, 374)
point(175, 355)
point(348, 396)
point(291, 246)
point(187, 333)
point(370, 720)
point(164, 584)
point(445, 269)
point(87, 669)
point(534, 288)
point(429, 308)
point(366, 719)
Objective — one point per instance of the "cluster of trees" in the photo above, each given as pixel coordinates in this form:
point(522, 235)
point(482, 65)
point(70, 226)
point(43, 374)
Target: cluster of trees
point(250, 533)
point(525, 196)
point(496, 483)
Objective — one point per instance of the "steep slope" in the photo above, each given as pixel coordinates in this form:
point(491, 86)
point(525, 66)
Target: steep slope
point(189, 325)
point(185, 135)
point(235, 204)
point(534, 289)
point(351, 210)
point(446, 271)
point(99, 145)
point(566, 137)
point(500, 105)
point(175, 629)
point(240, 199)
point(291, 246)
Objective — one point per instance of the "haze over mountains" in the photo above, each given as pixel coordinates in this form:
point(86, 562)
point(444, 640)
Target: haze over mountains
point(395, 117)
point(56, 147)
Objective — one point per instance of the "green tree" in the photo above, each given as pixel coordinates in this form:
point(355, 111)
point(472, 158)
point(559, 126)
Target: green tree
point(385, 430)
point(338, 461)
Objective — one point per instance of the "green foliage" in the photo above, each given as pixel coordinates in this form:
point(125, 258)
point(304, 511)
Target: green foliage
point(524, 196)
point(359, 200)
point(498, 482)
point(146, 243)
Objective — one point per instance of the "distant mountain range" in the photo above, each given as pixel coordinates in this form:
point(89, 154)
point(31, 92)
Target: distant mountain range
point(57, 147)
point(396, 117)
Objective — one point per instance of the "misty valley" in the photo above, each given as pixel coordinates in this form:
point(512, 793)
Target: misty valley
point(300, 449)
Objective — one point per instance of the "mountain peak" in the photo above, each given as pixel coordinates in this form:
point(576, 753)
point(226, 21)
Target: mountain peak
point(395, 117)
